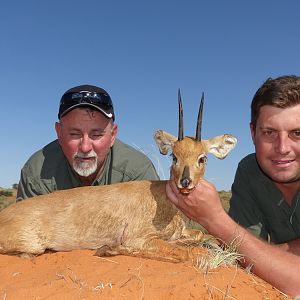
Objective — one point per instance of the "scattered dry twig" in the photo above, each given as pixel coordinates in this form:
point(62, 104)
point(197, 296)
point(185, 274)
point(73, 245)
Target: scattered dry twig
point(109, 260)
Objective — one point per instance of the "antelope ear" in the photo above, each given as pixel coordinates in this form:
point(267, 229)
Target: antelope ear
point(221, 145)
point(164, 141)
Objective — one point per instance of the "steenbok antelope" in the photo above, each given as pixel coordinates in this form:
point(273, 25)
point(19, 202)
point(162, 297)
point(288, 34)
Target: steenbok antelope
point(133, 218)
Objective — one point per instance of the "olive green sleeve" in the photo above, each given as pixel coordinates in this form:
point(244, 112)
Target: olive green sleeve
point(148, 172)
point(30, 186)
point(24, 190)
point(243, 208)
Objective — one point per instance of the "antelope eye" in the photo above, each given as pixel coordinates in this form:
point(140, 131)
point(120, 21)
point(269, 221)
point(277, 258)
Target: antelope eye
point(202, 160)
point(174, 158)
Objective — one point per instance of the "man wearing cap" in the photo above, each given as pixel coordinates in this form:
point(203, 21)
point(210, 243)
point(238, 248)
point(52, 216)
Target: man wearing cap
point(86, 151)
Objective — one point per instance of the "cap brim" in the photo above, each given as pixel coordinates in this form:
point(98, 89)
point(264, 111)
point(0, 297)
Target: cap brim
point(108, 115)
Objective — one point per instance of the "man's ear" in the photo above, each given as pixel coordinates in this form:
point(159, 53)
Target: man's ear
point(114, 132)
point(252, 130)
point(221, 145)
point(165, 141)
point(58, 130)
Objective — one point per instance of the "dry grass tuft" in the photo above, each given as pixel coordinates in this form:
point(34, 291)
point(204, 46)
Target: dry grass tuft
point(218, 256)
point(7, 197)
point(225, 198)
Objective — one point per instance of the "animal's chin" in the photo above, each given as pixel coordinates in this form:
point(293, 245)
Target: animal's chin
point(186, 191)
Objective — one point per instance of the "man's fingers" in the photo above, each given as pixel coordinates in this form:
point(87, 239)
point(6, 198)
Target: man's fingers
point(170, 193)
point(173, 187)
point(204, 184)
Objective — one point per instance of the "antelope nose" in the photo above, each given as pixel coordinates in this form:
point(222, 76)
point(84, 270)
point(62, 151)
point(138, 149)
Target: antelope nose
point(185, 182)
point(185, 178)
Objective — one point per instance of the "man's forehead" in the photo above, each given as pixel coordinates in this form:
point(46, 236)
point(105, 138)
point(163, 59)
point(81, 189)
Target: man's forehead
point(84, 114)
point(86, 125)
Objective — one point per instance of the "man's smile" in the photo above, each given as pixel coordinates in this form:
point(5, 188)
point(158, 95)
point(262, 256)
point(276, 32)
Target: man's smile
point(282, 162)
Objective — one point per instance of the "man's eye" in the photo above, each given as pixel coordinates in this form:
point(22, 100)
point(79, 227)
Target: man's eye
point(269, 135)
point(268, 132)
point(96, 136)
point(74, 135)
point(295, 135)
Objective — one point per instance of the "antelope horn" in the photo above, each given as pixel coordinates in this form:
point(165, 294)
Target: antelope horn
point(180, 130)
point(199, 120)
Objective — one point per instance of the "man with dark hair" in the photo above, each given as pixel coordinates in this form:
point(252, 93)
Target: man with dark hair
point(265, 192)
point(86, 152)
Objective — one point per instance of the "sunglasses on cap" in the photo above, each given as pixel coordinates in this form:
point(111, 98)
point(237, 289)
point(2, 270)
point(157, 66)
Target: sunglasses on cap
point(99, 101)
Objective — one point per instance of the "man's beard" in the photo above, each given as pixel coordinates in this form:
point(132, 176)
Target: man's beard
point(85, 168)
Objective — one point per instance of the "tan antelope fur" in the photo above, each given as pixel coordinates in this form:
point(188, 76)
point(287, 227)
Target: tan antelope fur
point(131, 218)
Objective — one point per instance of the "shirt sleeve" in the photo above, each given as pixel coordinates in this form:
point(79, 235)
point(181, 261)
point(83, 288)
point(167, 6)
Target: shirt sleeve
point(30, 186)
point(243, 208)
point(147, 173)
point(24, 190)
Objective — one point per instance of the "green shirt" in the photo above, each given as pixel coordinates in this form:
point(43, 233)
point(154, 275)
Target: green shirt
point(48, 170)
point(258, 205)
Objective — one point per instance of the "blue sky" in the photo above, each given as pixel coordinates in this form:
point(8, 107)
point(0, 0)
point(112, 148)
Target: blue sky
point(141, 52)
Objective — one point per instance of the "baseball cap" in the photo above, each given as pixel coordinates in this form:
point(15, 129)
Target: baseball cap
point(86, 95)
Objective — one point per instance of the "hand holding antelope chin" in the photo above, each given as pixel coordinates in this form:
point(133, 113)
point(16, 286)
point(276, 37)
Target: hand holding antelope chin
point(202, 205)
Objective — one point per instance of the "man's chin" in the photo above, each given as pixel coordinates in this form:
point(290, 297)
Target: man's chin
point(285, 179)
point(85, 172)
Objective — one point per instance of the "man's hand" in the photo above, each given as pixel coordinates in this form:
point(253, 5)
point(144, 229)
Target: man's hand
point(202, 205)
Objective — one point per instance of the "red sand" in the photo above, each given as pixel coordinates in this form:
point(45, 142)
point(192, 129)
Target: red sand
point(81, 275)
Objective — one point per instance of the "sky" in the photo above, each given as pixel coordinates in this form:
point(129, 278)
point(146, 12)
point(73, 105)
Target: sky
point(141, 52)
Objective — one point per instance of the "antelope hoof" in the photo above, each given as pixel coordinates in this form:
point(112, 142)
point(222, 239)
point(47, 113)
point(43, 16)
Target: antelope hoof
point(104, 250)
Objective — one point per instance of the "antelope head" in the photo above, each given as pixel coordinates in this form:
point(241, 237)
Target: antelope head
point(190, 153)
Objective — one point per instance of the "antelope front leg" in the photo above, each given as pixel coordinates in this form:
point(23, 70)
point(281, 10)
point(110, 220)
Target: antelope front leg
point(154, 249)
point(192, 235)
point(196, 237)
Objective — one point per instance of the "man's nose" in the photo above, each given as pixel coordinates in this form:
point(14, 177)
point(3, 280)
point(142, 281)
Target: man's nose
point(86, 144)
point(282, 143)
